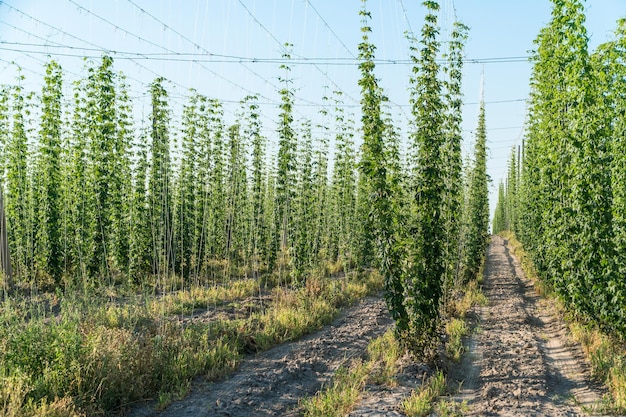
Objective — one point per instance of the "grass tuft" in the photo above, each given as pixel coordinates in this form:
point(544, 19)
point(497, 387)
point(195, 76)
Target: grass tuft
point(421, 401)
point(451, 408)
point(339, 398)
point(456, 329)
point(384, 353)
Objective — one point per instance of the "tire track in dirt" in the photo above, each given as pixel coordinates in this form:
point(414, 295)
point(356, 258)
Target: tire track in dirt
point(521, 362)
point(271, 383)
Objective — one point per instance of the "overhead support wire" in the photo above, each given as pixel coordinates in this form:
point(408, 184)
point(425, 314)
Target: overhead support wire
point(330, 29)
point(94, 46)
point(406, 18)
point(206, 53)
point(203, 56)
point(168, 50)
point(288, 61)
point(207, 57)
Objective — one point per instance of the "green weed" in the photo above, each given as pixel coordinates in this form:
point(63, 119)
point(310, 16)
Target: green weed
point(456, 329)
point(421, 401)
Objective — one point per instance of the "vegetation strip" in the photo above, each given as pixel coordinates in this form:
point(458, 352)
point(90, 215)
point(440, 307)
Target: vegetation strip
point(111, 358)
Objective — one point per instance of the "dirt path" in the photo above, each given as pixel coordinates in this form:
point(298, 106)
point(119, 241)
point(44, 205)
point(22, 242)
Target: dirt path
point(521, 363)
point(272, 382)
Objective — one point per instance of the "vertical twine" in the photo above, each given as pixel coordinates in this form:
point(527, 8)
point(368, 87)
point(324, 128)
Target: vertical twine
point(5, 259)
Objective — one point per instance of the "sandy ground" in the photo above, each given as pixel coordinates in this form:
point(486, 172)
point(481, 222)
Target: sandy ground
point(521, 361)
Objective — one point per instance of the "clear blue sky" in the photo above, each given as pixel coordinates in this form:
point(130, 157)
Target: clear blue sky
point(146, 30)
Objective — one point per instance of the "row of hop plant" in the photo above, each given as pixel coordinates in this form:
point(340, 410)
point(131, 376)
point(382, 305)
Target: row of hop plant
point(428, 219)
point(96, 197)
point(564, 195)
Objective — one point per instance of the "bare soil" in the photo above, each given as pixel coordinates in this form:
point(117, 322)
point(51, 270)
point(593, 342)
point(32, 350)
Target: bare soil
point(272, 383)
point(521, 361)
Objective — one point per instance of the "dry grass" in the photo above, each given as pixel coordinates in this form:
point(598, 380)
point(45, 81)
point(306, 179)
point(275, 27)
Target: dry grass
point(184, 302)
